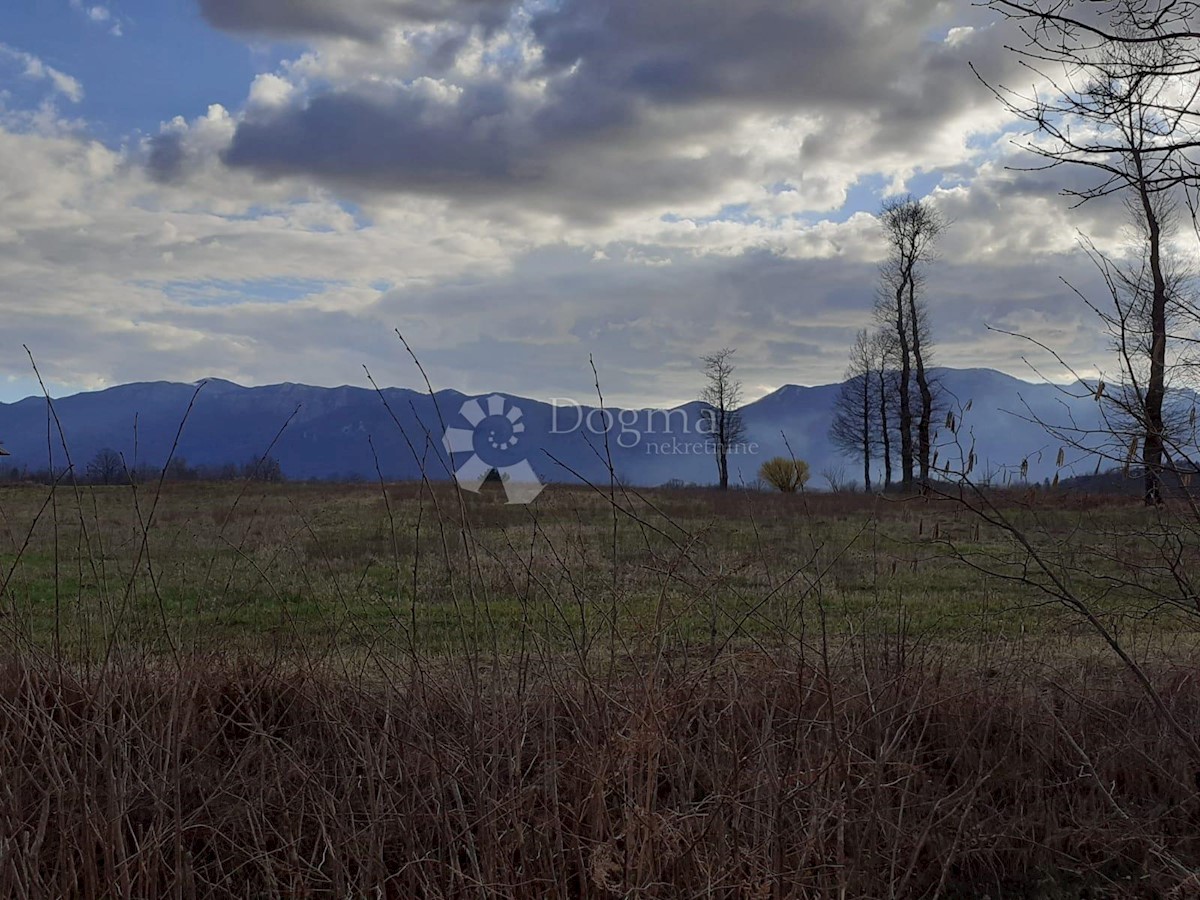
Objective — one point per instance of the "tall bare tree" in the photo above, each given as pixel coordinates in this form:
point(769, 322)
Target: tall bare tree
point(1131, 413)
point(1119, 84)
point(723, 396)
point(912, 228)
point(855, 426)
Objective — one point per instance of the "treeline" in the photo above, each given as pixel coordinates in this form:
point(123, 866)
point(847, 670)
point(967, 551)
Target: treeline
point(109, 467)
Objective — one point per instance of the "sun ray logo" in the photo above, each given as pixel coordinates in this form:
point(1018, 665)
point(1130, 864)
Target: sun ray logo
point(495, 440)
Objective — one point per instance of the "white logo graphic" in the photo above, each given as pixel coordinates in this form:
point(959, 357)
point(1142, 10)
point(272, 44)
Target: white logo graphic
point(495, 441)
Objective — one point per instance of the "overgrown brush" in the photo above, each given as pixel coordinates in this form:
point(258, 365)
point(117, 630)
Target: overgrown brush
point(875, 775)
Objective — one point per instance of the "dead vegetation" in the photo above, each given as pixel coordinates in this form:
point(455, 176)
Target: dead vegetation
point(879, 775)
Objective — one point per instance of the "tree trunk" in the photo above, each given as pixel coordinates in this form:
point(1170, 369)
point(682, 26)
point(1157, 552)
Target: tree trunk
point(924, 450)
point(906, 442)
point(1152, 443)
point(866, 431)
point(885, 429)
point(723, 451)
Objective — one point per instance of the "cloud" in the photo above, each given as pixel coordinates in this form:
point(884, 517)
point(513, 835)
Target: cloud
point(99, 14)
point(183, 148)
point(124, 278)
point(37, 70)
point(588, 109)
point(480, 147)
point(165, 156)
point(359, 19)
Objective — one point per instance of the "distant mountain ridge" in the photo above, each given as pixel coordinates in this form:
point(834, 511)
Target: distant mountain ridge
point(351, 432)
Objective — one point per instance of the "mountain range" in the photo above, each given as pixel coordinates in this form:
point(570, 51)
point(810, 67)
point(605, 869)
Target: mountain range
point(359, 433)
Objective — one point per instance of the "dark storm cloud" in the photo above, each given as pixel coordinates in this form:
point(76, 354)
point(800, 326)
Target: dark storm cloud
point(780, 51)
point(403, 139)
point(483, 147)
point(628, 82)
point(361, 19)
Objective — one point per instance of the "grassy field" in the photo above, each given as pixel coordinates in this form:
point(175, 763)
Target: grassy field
point(319, 569)
point(248, 690)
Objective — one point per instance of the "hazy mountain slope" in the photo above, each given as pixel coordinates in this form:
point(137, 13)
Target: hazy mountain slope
point(347, 431)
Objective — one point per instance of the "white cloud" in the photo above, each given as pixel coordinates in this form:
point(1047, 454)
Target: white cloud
point(37, 70)
point(99, 14)
point(270, 90)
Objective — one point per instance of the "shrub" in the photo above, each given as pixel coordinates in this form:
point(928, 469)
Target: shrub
point(784, 474)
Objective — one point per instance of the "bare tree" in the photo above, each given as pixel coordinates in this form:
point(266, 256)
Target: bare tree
point(1117, 98)
point(835, 477)
point(1131, 413)
point(1122, 101)
point(887, 387)
point(266, 469)
point(854, 429)
point(723, 396)
point(106, 467)
point(912, 228)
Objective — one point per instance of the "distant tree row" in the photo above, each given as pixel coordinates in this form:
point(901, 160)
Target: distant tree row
point(109, 467)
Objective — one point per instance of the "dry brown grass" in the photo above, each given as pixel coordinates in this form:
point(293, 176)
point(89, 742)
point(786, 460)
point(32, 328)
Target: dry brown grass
point(882, 775)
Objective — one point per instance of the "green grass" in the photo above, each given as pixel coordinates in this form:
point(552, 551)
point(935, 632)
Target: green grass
point(307, 569)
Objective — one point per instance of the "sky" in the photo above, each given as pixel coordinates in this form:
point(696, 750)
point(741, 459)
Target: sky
point(268, 190)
